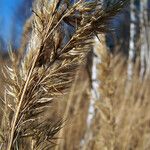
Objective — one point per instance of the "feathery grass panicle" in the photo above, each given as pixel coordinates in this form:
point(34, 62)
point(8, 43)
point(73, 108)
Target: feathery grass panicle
point(49, 66)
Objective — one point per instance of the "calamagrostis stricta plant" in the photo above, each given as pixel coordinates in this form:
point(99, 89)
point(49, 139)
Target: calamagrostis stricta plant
point(48, 68)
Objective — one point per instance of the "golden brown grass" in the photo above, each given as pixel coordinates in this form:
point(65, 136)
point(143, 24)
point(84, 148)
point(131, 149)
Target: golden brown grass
point(50, 88)
point(131, 110)
point(122, 113)
point(121, 119)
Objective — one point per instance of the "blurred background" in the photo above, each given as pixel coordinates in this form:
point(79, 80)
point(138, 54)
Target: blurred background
point(14, 14)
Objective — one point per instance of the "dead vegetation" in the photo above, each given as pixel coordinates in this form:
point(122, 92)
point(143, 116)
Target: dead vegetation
point(47, 96)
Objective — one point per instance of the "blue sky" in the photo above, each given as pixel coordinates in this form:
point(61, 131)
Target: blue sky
point(11, 21)
point(8, 8)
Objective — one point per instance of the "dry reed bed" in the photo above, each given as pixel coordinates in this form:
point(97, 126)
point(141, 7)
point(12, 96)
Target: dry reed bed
point(131, 109)
point(121, 115)
point(122, 119)
point(47, 70)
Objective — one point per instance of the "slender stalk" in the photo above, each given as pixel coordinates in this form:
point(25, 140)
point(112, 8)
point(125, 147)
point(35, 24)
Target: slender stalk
point(20, 102)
